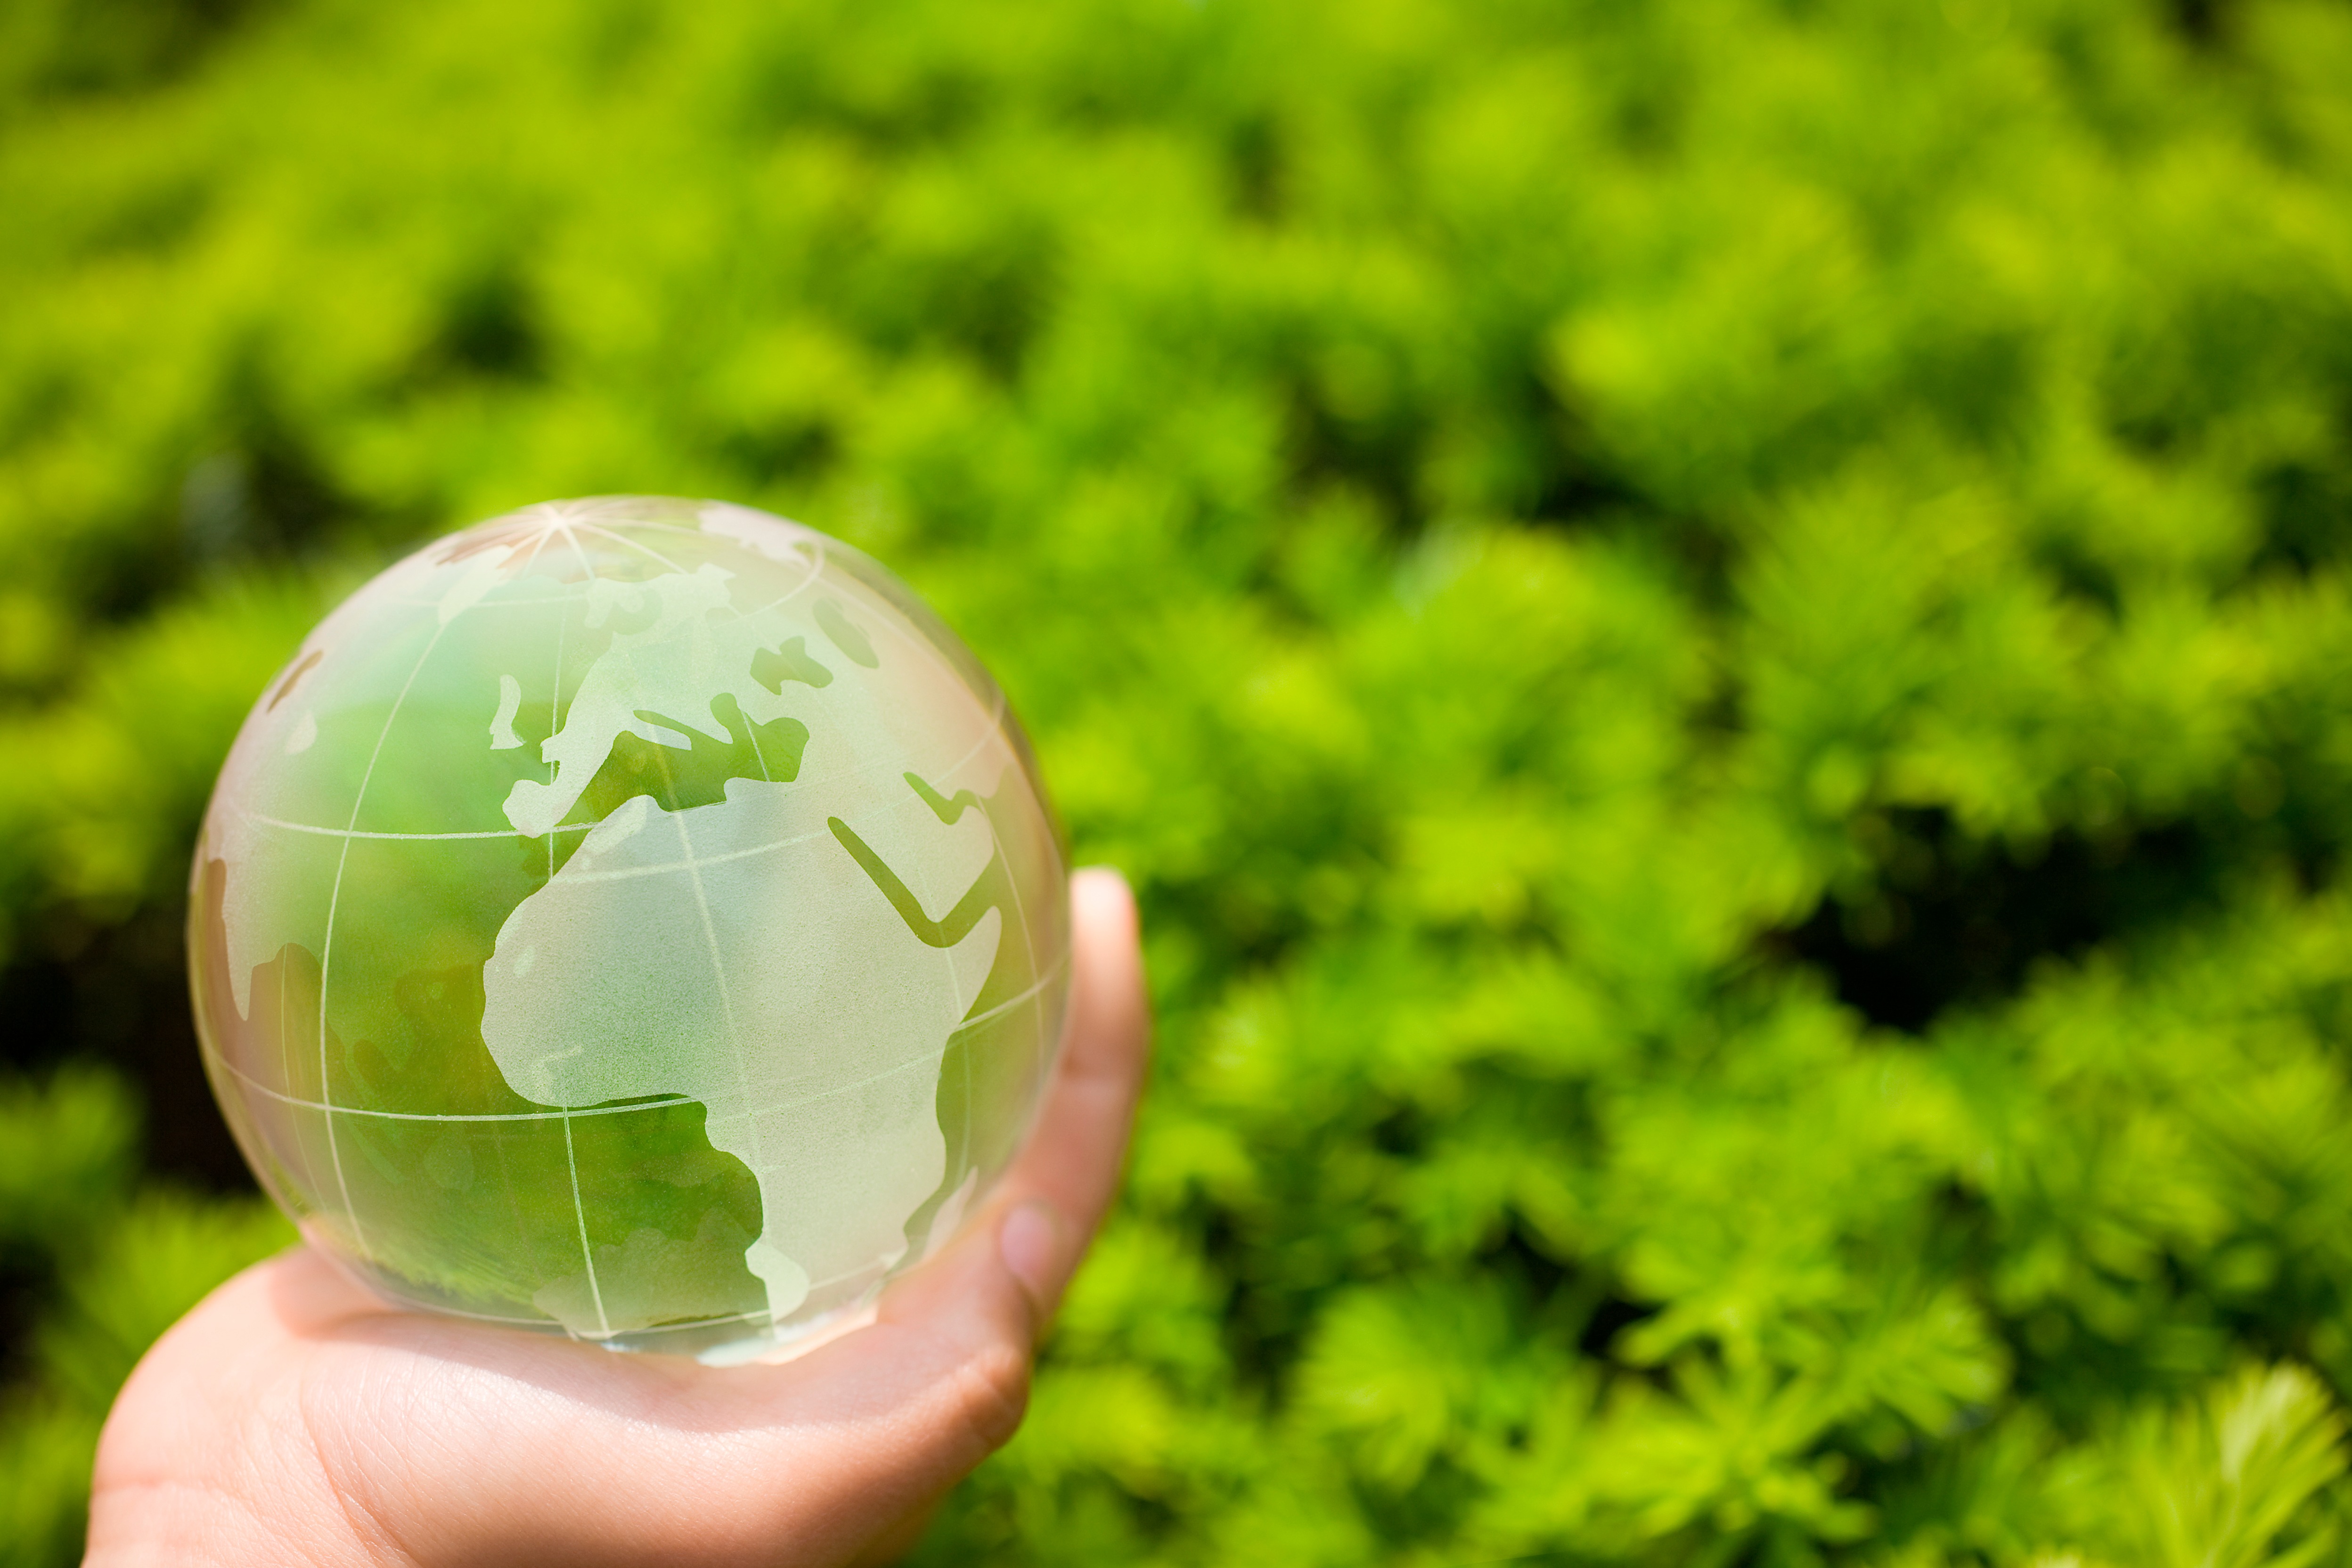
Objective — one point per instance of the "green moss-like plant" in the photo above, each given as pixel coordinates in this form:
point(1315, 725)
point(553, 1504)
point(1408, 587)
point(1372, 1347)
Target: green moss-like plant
point(1719, 634)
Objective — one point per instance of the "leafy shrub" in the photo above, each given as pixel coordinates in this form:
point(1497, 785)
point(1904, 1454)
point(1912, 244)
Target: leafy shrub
point(123, 1266)
point(1716, 632)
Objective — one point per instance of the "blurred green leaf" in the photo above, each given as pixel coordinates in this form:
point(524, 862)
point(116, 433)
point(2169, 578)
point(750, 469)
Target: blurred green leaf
point(1718, 636)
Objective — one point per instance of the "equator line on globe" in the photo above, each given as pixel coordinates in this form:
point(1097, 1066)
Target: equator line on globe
point(636, 919)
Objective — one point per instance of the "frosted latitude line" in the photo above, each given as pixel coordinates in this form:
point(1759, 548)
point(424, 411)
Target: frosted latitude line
point(781, 600)
point(755, 1315)
point(508, 832)
point(284, 826)
point(664, 868)
point(993, 730)
point(504, 601)
point(295, 1102)
point(751, 530)
point(439, 1310)
point(1010, 1004)
point(729, 1356)
point(757, 532)
point(849, 1088)
point(637, 545)
point(546, 1320)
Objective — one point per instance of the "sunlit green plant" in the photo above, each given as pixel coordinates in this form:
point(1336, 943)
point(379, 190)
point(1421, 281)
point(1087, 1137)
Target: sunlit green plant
point(1718, 635)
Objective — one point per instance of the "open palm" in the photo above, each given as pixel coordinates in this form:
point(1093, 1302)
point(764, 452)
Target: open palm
point(292, 1417)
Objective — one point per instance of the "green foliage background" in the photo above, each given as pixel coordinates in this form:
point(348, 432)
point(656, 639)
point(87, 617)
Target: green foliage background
point(1719, 636)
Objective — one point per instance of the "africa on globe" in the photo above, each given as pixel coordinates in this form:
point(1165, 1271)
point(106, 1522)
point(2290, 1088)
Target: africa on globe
point(633, 919)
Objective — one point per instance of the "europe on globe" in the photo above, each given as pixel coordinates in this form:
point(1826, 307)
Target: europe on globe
point(635, 918)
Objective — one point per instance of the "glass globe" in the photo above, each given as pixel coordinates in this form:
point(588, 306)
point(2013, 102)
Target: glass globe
point(633, 919)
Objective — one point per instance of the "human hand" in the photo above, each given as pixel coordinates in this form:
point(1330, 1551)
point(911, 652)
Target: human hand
point(293, 1418)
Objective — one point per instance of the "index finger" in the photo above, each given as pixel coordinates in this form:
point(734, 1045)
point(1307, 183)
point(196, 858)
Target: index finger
point(1074, 1154)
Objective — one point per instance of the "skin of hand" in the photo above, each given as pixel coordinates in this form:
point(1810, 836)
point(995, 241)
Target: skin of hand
point(293, 1418)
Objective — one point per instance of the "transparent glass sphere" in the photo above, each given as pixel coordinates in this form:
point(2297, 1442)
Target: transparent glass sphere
point(633, 919)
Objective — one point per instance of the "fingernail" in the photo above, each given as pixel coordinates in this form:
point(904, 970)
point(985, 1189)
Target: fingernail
point(1031, 1245)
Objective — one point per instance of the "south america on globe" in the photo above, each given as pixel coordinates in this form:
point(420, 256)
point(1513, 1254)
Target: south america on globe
point(633, 919)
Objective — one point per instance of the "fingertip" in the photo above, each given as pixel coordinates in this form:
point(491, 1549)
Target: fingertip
point(1102, 896)
point(991, 1284)
point(1111, 986)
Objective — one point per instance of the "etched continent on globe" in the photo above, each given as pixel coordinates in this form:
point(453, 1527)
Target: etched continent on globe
point(630, 917)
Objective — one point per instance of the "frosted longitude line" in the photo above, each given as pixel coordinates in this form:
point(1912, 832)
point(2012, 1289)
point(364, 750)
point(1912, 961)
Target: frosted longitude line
point(995, 719)
point(570, 1159)
point(536, 546)
point(461, 596)
point(327, 946)
point(693, 869)
point(734, 1030)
